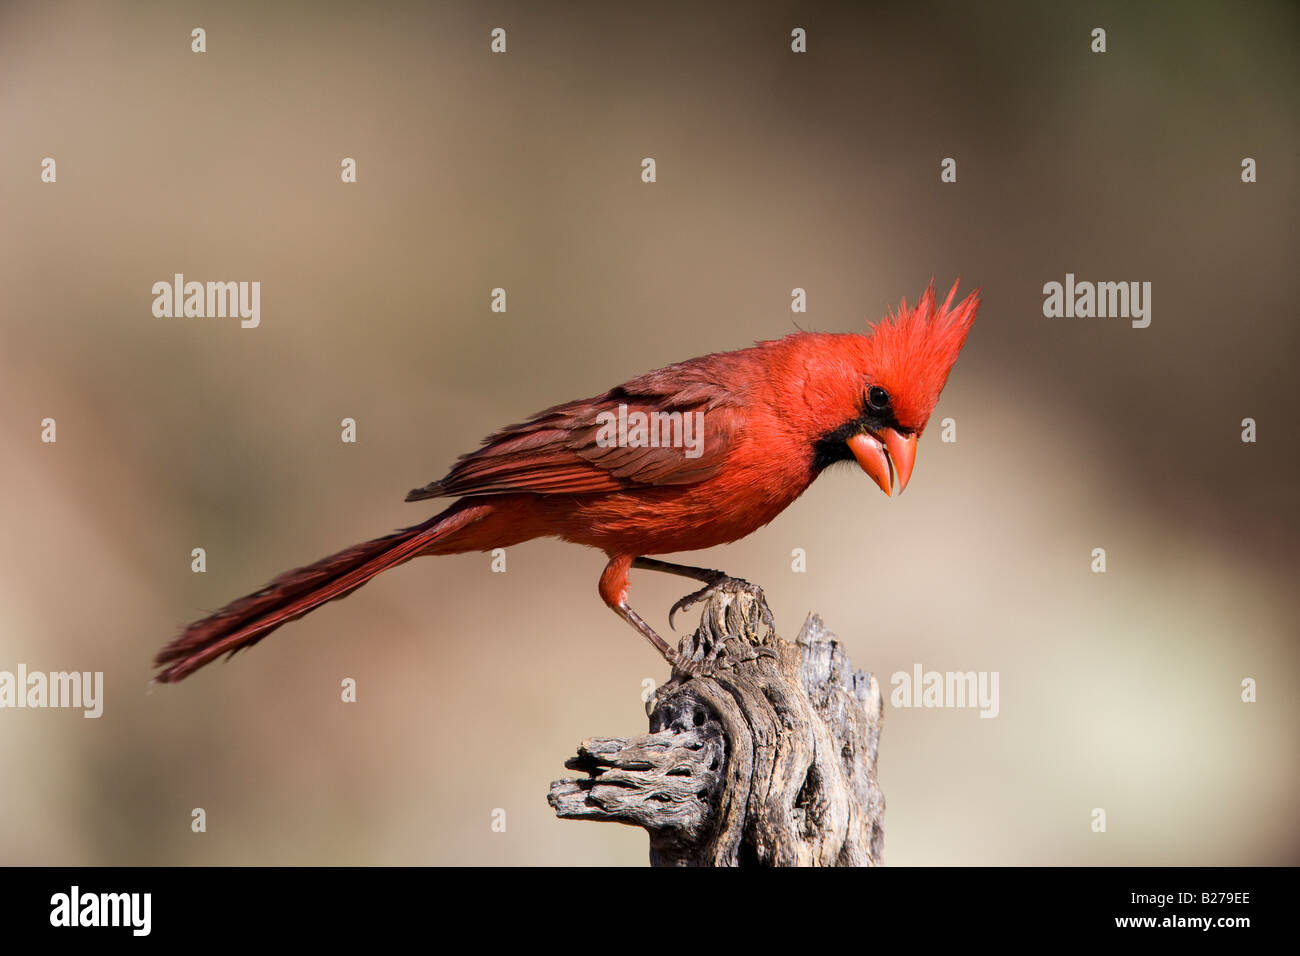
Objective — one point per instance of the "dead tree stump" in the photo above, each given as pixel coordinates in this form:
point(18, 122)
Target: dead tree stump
point(767, 758)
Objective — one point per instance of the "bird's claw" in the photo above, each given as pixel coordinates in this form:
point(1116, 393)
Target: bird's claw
point(695, 597)
point(685, 668)
point(725, 583)
point(709, 666)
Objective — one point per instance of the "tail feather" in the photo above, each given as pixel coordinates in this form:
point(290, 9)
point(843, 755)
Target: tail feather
point(244, 622)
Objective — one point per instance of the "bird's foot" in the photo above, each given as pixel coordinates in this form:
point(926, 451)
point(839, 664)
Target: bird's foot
point(736, 626)
point(684, 666)
point(723, 583)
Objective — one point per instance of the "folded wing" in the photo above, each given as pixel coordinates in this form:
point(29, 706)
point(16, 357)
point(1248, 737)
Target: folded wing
point(579, 447)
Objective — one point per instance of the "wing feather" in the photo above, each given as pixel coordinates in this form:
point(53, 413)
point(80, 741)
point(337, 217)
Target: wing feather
point(566, 449)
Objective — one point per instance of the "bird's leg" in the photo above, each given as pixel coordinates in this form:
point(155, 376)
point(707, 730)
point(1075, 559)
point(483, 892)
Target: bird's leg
point(713, 581)
point(613, 591)
point(648, 632)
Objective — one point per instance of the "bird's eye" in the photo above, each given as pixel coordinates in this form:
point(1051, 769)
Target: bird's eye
point(877, 397)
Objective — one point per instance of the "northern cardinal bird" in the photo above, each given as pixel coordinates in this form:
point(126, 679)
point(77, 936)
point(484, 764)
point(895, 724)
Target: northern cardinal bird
point(773, 416)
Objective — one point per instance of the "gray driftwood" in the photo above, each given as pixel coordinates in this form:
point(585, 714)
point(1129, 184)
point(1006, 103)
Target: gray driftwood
point(769, 759)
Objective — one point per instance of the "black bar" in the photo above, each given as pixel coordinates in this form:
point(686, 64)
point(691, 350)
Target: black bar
point(327, 905)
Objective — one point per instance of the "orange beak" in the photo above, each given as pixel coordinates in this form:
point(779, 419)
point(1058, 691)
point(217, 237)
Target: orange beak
point(885, 455)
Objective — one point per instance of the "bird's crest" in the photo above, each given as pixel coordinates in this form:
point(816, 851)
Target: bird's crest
point(913, 350)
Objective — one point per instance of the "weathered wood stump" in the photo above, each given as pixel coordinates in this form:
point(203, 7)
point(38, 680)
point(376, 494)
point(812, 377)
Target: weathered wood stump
point(766, 758)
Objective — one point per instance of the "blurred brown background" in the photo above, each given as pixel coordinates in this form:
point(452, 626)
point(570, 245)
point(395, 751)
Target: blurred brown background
point(775, 170)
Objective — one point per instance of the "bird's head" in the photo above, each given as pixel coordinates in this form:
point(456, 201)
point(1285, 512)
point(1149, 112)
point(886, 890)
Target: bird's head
point(904, 364)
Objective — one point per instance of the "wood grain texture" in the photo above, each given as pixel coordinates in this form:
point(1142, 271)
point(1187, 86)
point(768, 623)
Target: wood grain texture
point(767, 758)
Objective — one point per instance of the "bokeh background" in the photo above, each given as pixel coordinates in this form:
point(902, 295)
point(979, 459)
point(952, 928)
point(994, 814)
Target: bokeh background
point(775, 170)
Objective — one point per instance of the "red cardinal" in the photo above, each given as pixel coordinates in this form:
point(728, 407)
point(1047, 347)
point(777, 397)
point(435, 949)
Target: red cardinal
point(738, 437)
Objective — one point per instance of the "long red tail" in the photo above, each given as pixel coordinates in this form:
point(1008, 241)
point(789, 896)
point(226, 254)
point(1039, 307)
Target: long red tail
point(244, 622)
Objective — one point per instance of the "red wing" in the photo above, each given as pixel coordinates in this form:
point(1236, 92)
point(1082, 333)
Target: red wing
point(598, 444)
